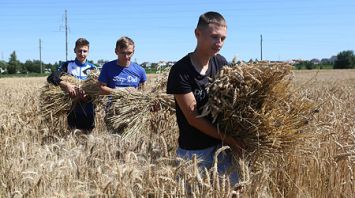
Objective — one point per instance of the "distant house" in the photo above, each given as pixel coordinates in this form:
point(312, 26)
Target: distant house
point(146, 65)
point(291, 62)
point(315, 61)
point(170, 63)
point(47, 70)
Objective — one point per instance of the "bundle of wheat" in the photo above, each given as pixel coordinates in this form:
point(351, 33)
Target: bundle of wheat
point(256, 103)
point(160, 82)
point(54, 101)
point(133, 112)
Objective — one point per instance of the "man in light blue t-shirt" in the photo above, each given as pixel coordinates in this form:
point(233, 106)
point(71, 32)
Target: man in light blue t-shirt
point(122, 73)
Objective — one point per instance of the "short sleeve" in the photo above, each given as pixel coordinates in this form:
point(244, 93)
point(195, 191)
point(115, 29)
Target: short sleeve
point(143, 76)
point(222, 60)
point(103, 76)
point(54, 77)
point(178, 81)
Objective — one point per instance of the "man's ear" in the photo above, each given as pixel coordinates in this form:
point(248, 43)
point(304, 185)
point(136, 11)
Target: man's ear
point(116, 51)
point(74, 50)
point(197, 32)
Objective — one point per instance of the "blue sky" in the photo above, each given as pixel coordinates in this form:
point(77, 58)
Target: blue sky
point(163, 29)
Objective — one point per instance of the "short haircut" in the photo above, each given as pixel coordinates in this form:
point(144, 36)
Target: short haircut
point(124, 42)
point(81, 42)
point(211, 18)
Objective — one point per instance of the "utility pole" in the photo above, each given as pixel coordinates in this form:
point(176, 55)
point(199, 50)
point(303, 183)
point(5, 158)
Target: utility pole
point(261, 47)
point(66, 36)
point(40, 55)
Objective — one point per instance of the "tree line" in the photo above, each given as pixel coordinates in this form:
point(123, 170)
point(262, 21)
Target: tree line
point(344, 60)
point(14, 66)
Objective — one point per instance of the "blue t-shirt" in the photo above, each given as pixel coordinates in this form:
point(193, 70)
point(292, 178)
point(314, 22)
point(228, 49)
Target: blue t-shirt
point(116, 76)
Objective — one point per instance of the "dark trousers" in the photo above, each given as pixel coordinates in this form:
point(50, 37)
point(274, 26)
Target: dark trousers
point(82, 116)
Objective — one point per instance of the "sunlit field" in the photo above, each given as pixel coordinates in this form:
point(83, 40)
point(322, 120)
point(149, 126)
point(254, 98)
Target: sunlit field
point(42, 158)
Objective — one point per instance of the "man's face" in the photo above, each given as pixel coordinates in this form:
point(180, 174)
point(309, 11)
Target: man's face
point(82, 52)
point(211, 38)
point(125, 54)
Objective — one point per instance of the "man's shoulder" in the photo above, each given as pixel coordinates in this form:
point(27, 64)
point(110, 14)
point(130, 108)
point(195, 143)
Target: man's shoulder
point(92, 65)
point(137, 65)
point(221, 59)
point(181, 64)
point(109, 63)
point(66, 63)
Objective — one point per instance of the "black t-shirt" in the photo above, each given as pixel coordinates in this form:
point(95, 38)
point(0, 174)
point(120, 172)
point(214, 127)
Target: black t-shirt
point(184, 78)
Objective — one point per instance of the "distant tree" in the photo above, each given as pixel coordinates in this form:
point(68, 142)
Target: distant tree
point(304, 64)
point(22, 68)
point(315, 61)
point(332, 59)
point(55, 66)
point(345, 60)
point(47, 67)
point(101, 62)
point(33, 66)
point(3, 65)
point(298, 66)
point(14, 64)
point(325, 61)
point(91, 61)
point(309, 65)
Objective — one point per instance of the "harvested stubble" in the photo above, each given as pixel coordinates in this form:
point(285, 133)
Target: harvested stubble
point(132, 113)
point(55, 102)
point(256, 103)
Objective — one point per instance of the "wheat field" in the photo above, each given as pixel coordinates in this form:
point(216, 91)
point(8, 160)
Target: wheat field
point(41, 158)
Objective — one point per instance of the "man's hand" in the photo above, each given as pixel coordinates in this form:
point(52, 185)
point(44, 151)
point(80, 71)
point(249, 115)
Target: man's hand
point(237, 146)
point(82, 95)
point(72, 90)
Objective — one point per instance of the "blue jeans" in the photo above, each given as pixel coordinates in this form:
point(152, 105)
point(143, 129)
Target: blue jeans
point(206, 157)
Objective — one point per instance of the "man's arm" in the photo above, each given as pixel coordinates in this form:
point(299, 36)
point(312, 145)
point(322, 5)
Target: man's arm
point(54, 78)
point(105, 90)
point(141, 86)
point(188, 106)
point(72, 90)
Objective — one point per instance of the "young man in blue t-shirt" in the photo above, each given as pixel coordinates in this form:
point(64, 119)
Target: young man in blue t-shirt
point(82, 116)
point(122, 72)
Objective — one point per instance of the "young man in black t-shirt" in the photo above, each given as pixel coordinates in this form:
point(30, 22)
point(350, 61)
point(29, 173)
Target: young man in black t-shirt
point(187, 81)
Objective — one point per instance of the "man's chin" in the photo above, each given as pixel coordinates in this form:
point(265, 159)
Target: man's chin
point(215, 52)
point(82, 60)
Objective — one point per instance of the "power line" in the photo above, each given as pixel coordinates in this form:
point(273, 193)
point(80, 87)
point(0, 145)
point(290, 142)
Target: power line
point(66, 36)
point(261, 47)
point(40, 55)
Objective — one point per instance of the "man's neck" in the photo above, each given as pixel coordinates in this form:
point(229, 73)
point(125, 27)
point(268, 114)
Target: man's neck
point(78, 62)
point(200, 62)
point(124, 64)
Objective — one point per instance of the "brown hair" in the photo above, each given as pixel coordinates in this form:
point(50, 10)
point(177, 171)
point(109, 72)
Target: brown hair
point(81, 42)
point(124, 42)
point(211, 18)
